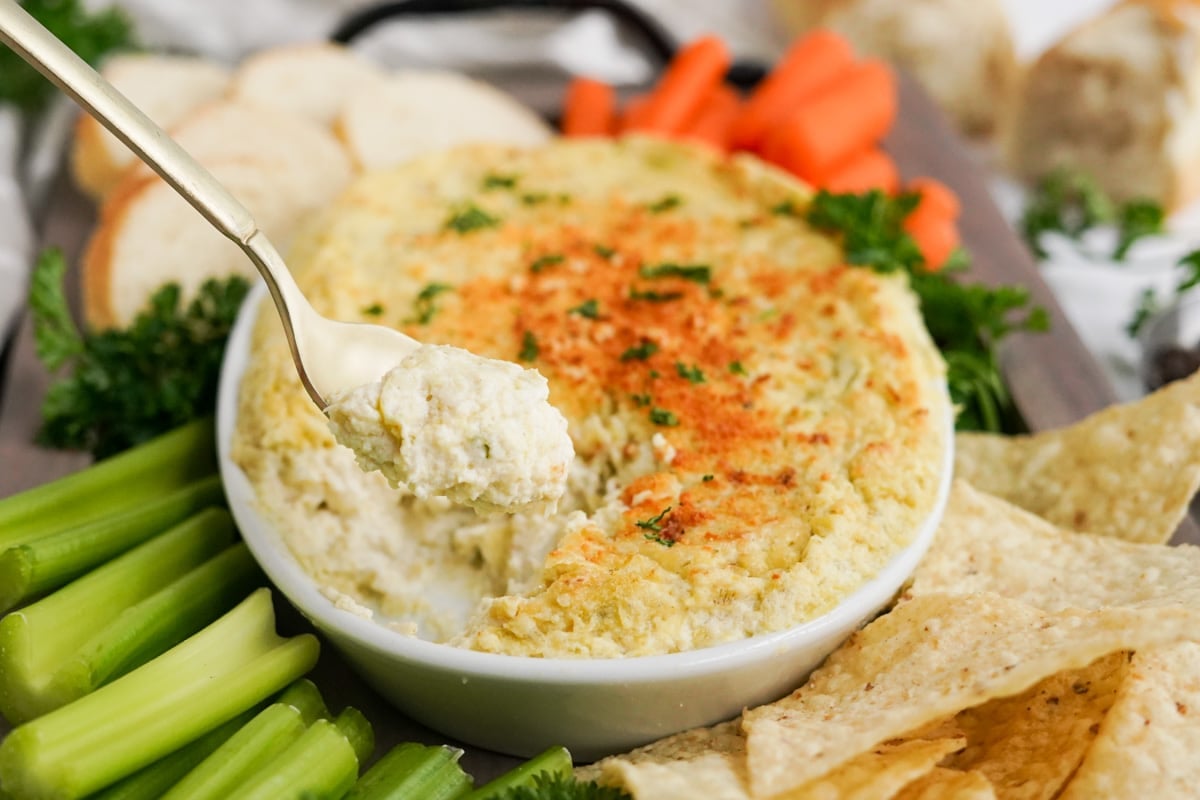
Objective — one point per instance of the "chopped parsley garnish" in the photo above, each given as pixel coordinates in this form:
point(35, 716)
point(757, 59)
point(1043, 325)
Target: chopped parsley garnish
point(1147, 307)
point(709, 477)
point(654, 374)
point(604, 252)
point(471, 218)
point(966, 321)
point(543, 262)
point(496, 181)
point(697, 273)
point(641, 400)
point(737, 369)
point(534, 198)
point(666, 203)
point(655, 522)
point(654, 297)
point(373, 310)
point(589, 308)
point(529, 347)
point(692, 373)
point(787, 208)
point(660, 416)
point(423, 306)
point(1072, 203)
point(640, 352)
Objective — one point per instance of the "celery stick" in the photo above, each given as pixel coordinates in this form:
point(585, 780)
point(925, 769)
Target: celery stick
point(242, 756)
point(414, 772)
point(51, 561)
point(114, 485)
point(321, 763)
point(121, 615)
point(192, 688)
point(555, 761)
point(153, 781)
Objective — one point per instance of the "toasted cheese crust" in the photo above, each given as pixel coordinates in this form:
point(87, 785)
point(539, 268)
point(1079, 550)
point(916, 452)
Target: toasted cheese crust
point(758, 427)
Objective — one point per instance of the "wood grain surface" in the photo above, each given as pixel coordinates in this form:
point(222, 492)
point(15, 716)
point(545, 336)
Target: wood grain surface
point(1053, 377)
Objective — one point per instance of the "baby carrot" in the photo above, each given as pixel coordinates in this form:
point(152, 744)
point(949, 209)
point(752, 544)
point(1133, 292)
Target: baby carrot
point(870, 169)
point(634, 112)
point(589, 109)
point(809, 64)
point(936, 196)
point(937, 237)
point(687, 81)
point(715, 118)
point(844, 118)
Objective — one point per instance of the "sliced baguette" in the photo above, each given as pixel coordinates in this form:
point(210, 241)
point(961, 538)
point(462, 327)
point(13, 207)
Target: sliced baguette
point(1118, 98)
point(166, 87)
point(313, 80)
point(961, 51)
point(415, 112)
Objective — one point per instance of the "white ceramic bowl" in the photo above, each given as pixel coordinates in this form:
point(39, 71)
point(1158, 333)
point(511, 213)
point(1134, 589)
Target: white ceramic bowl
point(521, 705)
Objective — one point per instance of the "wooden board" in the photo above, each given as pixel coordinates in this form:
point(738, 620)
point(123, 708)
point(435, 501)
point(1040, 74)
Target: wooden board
point(1053, 377)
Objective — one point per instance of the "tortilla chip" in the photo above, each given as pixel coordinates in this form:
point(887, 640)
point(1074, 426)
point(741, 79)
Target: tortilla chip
point(987, 545)
point(928, 658)
point(1029, 744)
point(1128, 471)
point(949, 784)
point(711, 763)
point(1148, 743)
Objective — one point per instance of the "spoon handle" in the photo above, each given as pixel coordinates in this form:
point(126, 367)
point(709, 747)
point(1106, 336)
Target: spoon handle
point(69, 72)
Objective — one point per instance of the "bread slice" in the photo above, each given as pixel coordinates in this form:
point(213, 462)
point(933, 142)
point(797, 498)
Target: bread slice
point(313, 80)
point(415, 112)
point(1118, 98)
point(148, 235)
point(960, 51)
point(166, 87)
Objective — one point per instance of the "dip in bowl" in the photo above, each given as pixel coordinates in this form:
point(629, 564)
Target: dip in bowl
point(762, 436)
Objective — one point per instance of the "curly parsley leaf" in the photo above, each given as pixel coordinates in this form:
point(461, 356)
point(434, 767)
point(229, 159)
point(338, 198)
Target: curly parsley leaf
point(1072, 203)
point(546, 786)
point(1135, 220)
point(122, 387)
point(872, 229)
point(90, 35)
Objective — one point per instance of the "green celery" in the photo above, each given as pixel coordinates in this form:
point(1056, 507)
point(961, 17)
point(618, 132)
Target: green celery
point(323, 762)
point(121, 615)
point(152, 782)
point(555, 761)
point(242, 755)
point(115, 485)
point(230, 666)
point(49, 562)
point(414, 772)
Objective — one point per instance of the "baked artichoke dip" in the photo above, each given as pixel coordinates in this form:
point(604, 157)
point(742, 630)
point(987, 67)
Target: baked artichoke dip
point(758, 428)
point(445, 422)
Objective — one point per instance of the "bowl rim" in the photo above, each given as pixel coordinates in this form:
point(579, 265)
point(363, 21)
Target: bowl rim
point(284, 571)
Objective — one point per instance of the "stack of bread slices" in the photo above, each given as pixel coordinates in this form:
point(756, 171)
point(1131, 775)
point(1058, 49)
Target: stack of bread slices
point(285, 131)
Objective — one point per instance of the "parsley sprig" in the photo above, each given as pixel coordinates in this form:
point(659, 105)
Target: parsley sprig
point(966, 321)
point(123, 387)
point(1072, 203)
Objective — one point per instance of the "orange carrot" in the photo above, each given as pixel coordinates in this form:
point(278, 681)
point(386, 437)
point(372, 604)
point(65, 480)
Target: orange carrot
point(715, 119)
point(589, 109)
point(694, 72)
point(633, 113)
point(870, 169)
point(844, 118)
point(935, 196)
point(809, 64)
point(937, 237)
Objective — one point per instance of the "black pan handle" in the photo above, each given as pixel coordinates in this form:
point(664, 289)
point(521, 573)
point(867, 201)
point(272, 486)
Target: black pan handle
point(657, 42)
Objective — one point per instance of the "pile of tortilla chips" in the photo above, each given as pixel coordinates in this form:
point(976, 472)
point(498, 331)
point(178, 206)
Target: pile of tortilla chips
point(1045, 648)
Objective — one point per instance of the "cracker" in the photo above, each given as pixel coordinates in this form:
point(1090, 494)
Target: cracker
point(1029, 744)
point(1148, 743)
point(949, 784)
point(931, 657)
point(987, 545)
point(1128, 471)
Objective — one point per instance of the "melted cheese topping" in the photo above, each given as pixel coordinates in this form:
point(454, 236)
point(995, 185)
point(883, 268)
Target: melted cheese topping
point(758, 428)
